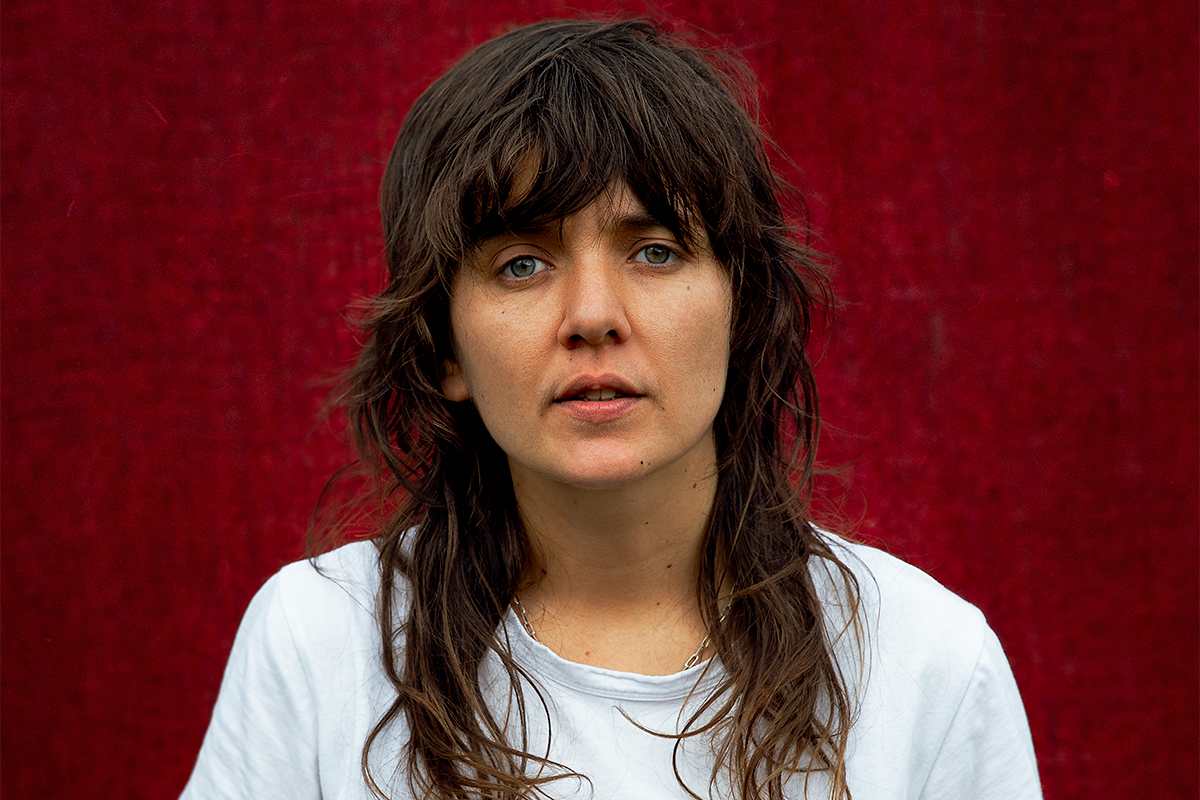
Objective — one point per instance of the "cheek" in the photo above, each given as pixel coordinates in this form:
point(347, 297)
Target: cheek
point(472, 329)
point(707, 327)
point(495, 357)
point(695, 331)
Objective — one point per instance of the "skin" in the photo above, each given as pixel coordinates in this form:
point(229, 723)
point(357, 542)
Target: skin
point(615, 494)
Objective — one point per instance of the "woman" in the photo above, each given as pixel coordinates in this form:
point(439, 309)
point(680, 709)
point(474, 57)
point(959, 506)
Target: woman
point(586, 395)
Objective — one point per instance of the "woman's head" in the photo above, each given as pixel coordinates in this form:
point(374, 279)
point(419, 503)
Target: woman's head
point(538, 130)
point(532, 127)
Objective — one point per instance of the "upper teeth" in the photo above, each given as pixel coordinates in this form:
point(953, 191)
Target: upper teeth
point(599, 394)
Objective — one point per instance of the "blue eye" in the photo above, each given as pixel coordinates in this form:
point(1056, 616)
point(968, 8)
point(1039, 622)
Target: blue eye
point(523, 267)
point(656, 254)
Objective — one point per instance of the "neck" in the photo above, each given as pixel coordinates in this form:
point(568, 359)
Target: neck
point(613, 577)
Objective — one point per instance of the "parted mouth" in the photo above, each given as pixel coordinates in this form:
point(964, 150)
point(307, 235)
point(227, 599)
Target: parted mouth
point(599, 388)
point(592, 395)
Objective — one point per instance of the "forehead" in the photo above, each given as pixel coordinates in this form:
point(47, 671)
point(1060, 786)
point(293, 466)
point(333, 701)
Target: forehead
point(614, 211)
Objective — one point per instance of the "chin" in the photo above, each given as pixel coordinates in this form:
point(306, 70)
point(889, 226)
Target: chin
point(600, 476)
point(600, 466)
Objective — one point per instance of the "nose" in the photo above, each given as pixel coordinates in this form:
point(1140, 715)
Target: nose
point(595, 311)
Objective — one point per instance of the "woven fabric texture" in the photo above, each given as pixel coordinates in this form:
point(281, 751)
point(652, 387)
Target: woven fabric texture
point(1009, 190)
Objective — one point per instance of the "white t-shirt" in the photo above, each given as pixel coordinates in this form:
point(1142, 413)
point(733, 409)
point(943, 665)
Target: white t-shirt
point(939, 715)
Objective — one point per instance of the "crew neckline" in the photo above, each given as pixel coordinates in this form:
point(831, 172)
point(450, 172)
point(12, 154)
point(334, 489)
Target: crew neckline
point(544, 663)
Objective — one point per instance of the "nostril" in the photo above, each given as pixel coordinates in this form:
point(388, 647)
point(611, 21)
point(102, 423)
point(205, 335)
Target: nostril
point(576, 339)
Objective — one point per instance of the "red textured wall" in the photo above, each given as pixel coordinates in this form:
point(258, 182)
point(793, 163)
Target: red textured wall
point(1010, 189)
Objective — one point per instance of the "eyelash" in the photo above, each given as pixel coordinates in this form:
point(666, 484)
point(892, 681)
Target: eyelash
point(506, 270)
point(672, 255)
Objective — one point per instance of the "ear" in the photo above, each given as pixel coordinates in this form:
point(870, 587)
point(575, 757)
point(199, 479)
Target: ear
point(454, 383)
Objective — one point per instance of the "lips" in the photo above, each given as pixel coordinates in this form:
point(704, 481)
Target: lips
point(593, 395)
point(596, 388)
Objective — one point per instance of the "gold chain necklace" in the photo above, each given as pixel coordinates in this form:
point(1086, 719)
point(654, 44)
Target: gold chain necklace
point(691, 662)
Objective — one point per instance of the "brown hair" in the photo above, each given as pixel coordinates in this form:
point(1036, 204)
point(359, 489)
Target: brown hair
point(579, 105)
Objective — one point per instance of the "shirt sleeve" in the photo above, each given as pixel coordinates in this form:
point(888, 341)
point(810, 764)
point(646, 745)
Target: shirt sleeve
point(987, 752)
point(262, 741)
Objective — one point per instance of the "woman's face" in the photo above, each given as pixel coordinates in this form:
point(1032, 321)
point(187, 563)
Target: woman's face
point(595, 349)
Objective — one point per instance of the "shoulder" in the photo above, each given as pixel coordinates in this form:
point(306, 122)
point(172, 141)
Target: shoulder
point(922, 642)
point(310, 610)
point(302, 679)
point(345, 577)
point(902, 609)
point(904, 639)
point(909, 605)
point(934, 676)
point(320, 603)
point(310, 624)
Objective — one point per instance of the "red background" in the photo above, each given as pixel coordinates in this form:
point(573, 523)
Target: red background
point(1010, 189)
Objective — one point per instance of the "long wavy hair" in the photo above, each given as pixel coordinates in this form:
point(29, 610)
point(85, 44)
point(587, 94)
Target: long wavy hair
point(579, 105)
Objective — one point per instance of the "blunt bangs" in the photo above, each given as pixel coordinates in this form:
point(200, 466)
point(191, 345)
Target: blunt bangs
point(536, 124)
